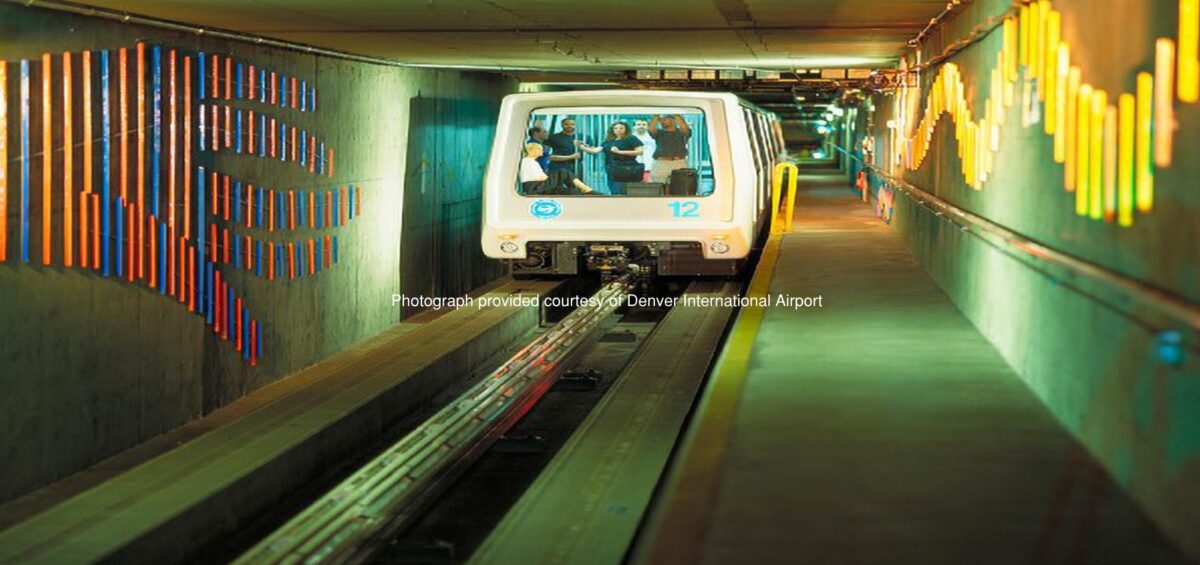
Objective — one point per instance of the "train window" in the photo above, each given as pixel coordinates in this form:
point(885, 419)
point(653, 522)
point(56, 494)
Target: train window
point(616, 151)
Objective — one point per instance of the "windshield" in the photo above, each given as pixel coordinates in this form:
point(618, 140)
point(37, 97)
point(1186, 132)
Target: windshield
point(616, 151)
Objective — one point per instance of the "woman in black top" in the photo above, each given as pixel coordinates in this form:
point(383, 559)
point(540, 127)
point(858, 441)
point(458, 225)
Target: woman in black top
point(621, 150)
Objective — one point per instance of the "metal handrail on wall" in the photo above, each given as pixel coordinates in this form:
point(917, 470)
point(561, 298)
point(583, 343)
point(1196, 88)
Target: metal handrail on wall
point(1131, 295)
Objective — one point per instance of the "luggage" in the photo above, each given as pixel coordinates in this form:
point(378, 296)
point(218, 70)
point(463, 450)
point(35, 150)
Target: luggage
point(684, 182)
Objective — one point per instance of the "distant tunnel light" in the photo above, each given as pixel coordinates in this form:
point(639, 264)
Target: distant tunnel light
point(649, 74)
point(704, 74)
point(675, 74)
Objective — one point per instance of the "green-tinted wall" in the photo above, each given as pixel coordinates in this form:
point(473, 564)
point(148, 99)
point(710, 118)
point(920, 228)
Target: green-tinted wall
point(1090, 359)
point(91, 365)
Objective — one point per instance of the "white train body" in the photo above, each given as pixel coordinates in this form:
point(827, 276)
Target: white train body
point(681, 234)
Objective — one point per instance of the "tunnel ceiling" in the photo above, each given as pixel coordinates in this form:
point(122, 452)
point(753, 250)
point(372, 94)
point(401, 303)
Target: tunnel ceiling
point(577, 35)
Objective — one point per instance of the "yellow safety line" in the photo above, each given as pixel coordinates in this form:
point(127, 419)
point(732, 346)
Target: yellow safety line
point(679, 525)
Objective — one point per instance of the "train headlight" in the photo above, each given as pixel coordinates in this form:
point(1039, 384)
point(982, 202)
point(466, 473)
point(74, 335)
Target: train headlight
point(509, 247)
point(719, 247)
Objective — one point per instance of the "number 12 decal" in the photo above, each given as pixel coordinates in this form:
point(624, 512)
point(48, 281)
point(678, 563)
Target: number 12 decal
point(687, 209)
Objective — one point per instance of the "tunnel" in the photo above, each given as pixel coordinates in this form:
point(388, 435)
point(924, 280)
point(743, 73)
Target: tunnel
point(618, 282)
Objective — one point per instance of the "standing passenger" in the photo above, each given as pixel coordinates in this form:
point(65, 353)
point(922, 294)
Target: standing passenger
point(621, 150)
point(648, 147)
point(535, 181)
point(564, 150)
point(671, 134)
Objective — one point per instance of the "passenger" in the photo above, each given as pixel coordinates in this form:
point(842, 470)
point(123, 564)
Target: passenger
point(648, 147)
point(671, 134)
point(538, 135)
point(564, 152)
point(621, 150)
point(535, 181)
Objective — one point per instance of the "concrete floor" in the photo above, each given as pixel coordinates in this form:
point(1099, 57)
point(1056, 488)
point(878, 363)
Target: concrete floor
point(883, 428)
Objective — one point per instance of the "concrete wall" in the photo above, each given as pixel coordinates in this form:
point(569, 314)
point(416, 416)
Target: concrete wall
point(1090, 359)
point(91, 365)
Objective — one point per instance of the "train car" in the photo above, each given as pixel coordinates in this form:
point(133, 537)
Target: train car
point(696, 205)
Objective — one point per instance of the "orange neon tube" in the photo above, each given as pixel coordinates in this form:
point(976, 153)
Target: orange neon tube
point(270, 210)
point(312, 256)
point(212, 237)
point(225, 245)
point(250, 127)
point(225, 183)
point(271, 261)
point(1164, 113)
point(291, 251)
point(228, 127)
point(187, 147)
point(47, 156)
point(84, 206)
point(312, 209)
point(247, 253)
point(328, 211)
point(228, 79)
point(131, 229)
point(153, 252)
point(191, 269)
point(291, 211)
point(330, 162)
point(249, 205)
point(238, 321)
point(95, 231)
point(3, 160)
point(293, 143)
point(292, 91)
point(215, 91)
point(342, 206)
point(217, 299)
point(68, 166)
point(213, 202)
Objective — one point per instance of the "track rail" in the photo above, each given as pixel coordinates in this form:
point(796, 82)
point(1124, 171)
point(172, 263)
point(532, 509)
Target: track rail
point(349, 522)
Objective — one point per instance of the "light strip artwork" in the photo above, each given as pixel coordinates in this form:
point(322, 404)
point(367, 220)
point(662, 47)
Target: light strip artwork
point(108, 226)
point(1109, 144)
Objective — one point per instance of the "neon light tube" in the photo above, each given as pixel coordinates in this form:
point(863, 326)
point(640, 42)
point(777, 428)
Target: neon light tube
point(119, 232)
point(1189, 50)
point(68, 187)
point(187, 147)
point(47, 158)
point(1164, 113)
point(24, 160)
point(1111, 117)
point(140, 126)
point(1127, 104)
point(156, 130)
point(105, 153)
point(1050, 64)
point(1145, 143)
point(123, 123)
point(172, 139)
point(3, 160)
point(1096, 159)
point(1083, 142)
point(1063, 60)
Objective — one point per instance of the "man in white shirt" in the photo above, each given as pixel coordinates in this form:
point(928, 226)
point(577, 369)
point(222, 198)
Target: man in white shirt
point(648, 146)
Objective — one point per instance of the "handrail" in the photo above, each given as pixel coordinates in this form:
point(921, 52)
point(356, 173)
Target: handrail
point(1131, 290)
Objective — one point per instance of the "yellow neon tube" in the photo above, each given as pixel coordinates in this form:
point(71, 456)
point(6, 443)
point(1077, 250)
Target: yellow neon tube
point(1096, 159)
point(1189, 45)
point(1127, 105)
point(1083, 144)
point(1145, 142)
point(1110, 163)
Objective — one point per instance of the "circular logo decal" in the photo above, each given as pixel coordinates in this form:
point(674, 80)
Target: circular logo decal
point(545, 209)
